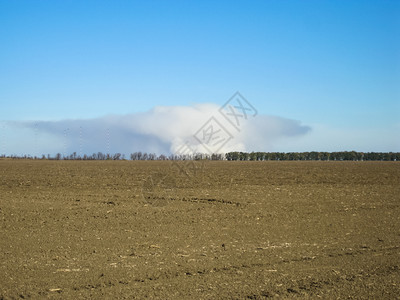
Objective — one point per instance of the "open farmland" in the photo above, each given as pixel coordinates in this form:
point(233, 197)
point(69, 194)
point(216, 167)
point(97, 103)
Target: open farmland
point(123, 229)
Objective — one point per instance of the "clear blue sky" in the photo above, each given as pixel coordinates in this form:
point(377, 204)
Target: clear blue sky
point(332, 63)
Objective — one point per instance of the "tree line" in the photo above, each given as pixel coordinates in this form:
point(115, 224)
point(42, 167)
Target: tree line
point(118, 156)
point(230, 156)
point(313, 155)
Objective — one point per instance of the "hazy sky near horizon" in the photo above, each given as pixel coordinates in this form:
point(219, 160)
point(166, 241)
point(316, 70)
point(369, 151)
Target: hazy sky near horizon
point(322, 75)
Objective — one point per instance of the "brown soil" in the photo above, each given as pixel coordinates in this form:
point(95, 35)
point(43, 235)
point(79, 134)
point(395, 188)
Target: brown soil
point(202, 230)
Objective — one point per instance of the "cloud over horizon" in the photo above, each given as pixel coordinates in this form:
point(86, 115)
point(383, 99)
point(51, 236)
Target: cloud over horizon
point(162, 130)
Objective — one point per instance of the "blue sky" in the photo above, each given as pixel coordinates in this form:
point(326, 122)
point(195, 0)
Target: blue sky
point(332, 65)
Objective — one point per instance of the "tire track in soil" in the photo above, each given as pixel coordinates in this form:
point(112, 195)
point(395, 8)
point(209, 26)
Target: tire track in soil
point(196, 200)
point(301, 286)
point(210, 201)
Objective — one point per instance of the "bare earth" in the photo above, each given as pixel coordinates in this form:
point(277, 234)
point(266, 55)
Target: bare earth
point(236, 230)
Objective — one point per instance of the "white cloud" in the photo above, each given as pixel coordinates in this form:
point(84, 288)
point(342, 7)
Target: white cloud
point(161, 130)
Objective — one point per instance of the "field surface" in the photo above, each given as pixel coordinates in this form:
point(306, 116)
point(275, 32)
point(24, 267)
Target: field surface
point(199, 230)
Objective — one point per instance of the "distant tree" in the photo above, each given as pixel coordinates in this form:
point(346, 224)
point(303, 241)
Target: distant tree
point(134, 156)
point(253, 156)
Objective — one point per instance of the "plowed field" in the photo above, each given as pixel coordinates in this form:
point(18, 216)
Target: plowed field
point(199, 230)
